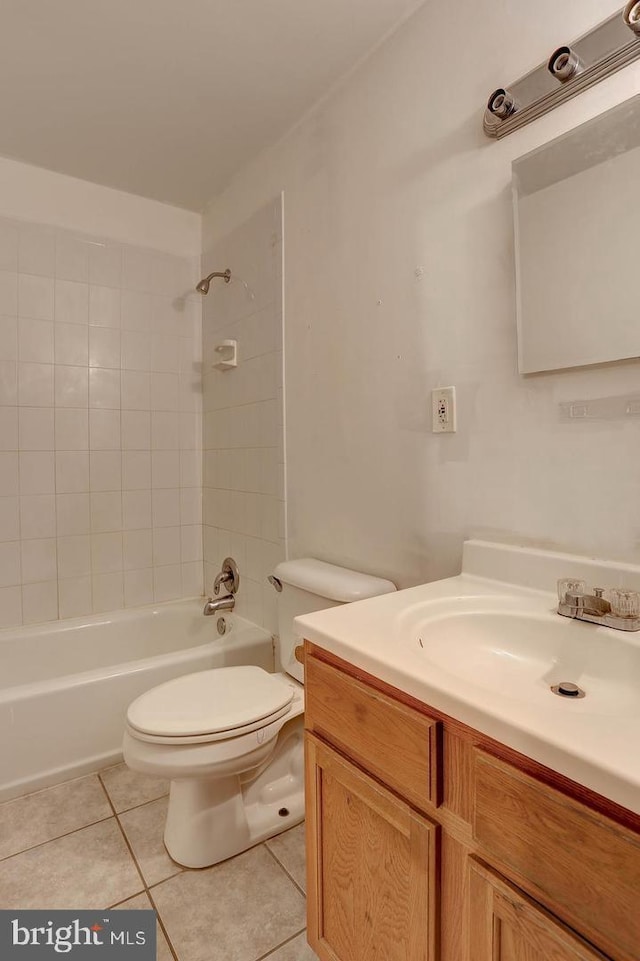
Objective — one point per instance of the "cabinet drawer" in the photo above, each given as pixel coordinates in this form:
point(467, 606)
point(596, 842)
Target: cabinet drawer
point(396, 744)
point(583, 866)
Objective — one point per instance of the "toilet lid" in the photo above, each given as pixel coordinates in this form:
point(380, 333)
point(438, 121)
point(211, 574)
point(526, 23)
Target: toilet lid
point(210, 702)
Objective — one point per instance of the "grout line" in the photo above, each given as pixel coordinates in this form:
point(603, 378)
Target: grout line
point(272, 951)
point(58, 837)
point(288, 873)
point(162, 927)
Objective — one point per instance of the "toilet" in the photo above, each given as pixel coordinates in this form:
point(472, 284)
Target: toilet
point(230, 740)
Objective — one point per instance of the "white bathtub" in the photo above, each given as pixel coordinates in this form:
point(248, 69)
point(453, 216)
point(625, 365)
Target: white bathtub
point(66, 686)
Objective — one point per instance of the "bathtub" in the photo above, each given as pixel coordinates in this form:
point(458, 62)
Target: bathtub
point(66, 685)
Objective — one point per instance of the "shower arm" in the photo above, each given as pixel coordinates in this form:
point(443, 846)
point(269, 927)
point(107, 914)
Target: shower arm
point(203, 286)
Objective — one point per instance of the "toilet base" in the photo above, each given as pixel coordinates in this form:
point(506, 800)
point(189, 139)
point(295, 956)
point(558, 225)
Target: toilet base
point(212, 819)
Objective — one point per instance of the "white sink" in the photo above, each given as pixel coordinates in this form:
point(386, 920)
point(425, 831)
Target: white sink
point(496, 643)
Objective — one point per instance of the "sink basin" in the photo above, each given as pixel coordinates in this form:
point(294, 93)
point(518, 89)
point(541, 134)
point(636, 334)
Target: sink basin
point(517, 651)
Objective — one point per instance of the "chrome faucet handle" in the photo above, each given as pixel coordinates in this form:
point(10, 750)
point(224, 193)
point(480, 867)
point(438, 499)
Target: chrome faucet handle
point(229, 576)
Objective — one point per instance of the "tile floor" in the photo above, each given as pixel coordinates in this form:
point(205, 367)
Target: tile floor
point(96, 842)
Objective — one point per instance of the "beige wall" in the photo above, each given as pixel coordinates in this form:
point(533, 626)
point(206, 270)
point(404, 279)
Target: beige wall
point(399, 277)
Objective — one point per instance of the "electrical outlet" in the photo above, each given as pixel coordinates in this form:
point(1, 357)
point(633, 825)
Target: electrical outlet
point(443, 410)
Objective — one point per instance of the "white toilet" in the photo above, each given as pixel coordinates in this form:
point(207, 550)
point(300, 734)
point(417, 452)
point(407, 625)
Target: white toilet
point(231, 739)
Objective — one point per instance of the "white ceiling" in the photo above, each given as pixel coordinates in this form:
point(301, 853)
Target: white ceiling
point(166, 98)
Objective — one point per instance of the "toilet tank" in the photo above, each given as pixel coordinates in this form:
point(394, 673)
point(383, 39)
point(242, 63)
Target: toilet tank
point(310, 585)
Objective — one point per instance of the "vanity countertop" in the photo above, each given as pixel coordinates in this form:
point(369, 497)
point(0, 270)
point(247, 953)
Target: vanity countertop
point(485, 647)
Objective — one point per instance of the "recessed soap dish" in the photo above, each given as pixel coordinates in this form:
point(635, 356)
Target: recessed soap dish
point(228, 354)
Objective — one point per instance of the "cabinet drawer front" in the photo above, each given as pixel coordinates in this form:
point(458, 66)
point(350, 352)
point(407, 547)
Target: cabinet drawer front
point(583, 866)
point(392, 741)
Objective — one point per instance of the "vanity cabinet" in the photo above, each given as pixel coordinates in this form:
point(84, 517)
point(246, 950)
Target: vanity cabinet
point(427, 841)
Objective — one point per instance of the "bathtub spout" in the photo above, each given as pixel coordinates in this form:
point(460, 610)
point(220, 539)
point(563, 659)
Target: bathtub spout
point(226, 603)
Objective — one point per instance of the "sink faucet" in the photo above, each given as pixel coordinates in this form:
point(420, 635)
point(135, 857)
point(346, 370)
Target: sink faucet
point(226, 603)
point(230, 577)
point(620, 609)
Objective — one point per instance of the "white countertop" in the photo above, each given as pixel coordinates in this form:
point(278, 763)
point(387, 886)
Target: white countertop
point(594, 741)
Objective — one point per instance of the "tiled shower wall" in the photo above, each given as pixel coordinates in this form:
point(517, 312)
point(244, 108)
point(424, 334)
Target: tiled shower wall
point(100, 425)
point(243, 436)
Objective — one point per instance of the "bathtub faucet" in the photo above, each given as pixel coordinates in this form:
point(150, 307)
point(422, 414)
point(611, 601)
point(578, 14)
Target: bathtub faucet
point(226, 603)
point(230, 579)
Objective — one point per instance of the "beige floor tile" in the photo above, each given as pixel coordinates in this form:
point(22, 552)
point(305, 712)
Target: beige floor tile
point(296, 950)
point(144, 827)
point(128, 788)
point(49, 814)
point(289, 850)
point(236, 911)
point(91, 868)
point(142, 903)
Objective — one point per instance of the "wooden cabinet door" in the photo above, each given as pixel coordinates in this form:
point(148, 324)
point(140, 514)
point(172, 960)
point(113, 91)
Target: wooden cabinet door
point(505, 925)
point(371, 866)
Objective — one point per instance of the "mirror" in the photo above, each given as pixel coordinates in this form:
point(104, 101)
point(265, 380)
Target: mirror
point(577, 233)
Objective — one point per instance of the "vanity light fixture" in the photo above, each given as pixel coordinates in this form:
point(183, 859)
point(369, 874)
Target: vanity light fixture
point(564, 64)
point(571, 69)
point(631, 16)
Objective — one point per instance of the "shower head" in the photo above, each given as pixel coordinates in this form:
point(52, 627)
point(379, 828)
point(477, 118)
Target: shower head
point(205, 283)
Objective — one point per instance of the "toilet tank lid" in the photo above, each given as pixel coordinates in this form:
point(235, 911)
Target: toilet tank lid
point(334, 583)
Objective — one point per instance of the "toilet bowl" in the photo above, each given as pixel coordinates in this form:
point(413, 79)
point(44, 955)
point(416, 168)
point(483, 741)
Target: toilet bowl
point(230, 740)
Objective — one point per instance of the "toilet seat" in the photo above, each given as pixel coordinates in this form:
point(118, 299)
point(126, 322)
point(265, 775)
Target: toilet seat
point(213, 705)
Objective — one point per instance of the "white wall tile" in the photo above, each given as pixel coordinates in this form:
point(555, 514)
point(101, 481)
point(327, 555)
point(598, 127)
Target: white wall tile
point(74, 555)
point(136, 390)
point(8, 293)
point(74, 596)
point(71, 386)
point(72, 257)
point(104, 306)
point(8, 245)
point(35, 341)
point(135, 311)
point(166, 508)
point(8, 428)
point(35, 385)
point(36, 250)
point(166, 546)
point(106, 512)
point(37, 472)
point(39, 561)
point(104, 430)
point(40, 602)
point(9, 519)
point(78, 420)
point(192, 579)
point(72, 472)
point(105, 470)
point(8, 338)
point(136, 470)
point(35, 297)
point(71, 429)
point(167, 583)
point(108, 592)
point(137, 549)
point(136, 350)
point(71, 302)
point(165, 468)
point(104, 388)
point(38, 517)
point(106, 553)
point(138, 587)
point(136, 510)
point(165, 430)
point(136, 430)
point(105, 264)
point(104, 347)
point(73, 514)
point(71, 344)
point(10, 606)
